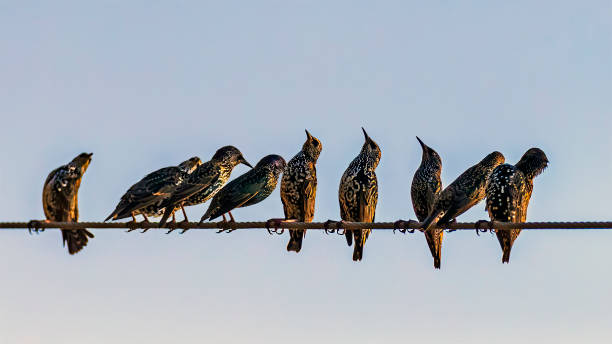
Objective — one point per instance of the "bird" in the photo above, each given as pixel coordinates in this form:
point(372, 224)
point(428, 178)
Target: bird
point(145, 197)
point(298, 189)
point(508, 192)
point(426, 185)
point(60, 200)
point(358, 193)
point(463, 193)
point(204, 182)
point(250, 188)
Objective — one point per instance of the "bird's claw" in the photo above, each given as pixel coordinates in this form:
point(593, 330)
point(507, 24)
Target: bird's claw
point(145, 225)
point(36, 226)
point(274, 224)
point(175, 225)
point(479, 223)
point(132, 225)
point(327, 224)
point(399, 226)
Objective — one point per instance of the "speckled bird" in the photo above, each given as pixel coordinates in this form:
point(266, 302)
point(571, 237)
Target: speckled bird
point(463, 193)
point(250, 188)
point(358, 193)
point(508, 193)
point(60, 200)
point(146, 196)
point(299, 187)
point(426, 185)
point(205, 181)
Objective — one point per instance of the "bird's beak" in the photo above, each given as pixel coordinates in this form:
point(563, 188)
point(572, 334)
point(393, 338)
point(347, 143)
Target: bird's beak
point(366, 135)
point(308, 135)
point(243, 160)
point(423, 145)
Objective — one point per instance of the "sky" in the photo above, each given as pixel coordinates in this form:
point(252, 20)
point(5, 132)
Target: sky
point(148, 84)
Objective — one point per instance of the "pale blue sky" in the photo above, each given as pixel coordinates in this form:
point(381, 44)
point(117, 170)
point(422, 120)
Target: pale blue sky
point(145, 85)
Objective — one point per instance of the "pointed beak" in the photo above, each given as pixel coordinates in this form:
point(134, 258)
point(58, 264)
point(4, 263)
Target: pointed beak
point(423, 145)
point(242, 160)
point(366, 135)
point(308, 135)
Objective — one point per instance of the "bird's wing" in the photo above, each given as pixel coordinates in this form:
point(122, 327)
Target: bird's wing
point(308, 195)
point(236, 193)
point(367, 203)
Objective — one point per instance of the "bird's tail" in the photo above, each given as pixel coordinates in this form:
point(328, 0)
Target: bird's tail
point(110, 216)
point(360, 238)
point(506, 240)
point(431, 220)
point(349, 237)
point(434, 241)
point(295, 240)
point(76, 239)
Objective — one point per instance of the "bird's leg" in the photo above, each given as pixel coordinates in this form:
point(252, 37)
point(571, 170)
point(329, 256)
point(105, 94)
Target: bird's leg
point(172, 224)
point(231, 217)
point(133, 225)
point(145, 224)
point(224, 222)
point(36, 226)
point(327, 224)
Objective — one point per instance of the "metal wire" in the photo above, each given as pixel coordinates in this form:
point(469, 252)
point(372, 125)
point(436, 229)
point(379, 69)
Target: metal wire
point(330, 225)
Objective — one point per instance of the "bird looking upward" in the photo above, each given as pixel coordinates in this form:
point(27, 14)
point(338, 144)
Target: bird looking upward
point(358, 193)
point(508, 192)
point(60, 200)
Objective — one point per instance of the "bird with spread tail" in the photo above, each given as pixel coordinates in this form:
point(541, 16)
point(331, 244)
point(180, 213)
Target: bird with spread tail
point(463, 193)
point(250, 188)
point(508, 192)
point(146, 196)
point(358, 193)
point(204, 182)
point(426, 185)
point(298, 190)
point(60, 200)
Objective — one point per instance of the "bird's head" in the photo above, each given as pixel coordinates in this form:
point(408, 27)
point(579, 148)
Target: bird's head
point(80, 163)
point(370, 150)
point(230, 155)
point(533, 162)
point(493, 160)
point(273, 162)
point(191, 164)
point(429, 153)
point(312, 147)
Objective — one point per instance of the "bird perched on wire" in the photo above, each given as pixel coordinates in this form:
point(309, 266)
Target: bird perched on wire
point(358, 193)
point(204, 182)
point(248, 189)
point(60, 200)
point(298, 190)
point(146, 196)
point(463, 193)
point(508, 192)
point(426, 185)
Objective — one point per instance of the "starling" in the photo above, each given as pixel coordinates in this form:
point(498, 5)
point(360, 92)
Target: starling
point(205, 181)
point(299, 187)
point(508, 192)
point(60, 200)
point(463, 193)
point(248, 189)
point(426, 185)
point(358, 193)
point(146, 196)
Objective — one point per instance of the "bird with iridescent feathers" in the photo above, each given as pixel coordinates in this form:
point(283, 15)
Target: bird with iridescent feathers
point(203, 183)
point(426, 185)
point(463, 193)
point(508, 192)
point(358, 193)
point(146, 196)
point(248, 189)
point(60, 200)
point(299, 187)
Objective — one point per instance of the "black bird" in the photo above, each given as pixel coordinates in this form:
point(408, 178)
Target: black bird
point(426, 185)
point(358, 193)
point(463, 193)
point(60, 200)
point(248, 189)
point(508, 192)
point(146, 196)
point(204, 182)
point(299, 188)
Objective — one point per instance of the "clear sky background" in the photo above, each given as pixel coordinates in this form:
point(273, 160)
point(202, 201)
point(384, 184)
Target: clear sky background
point(148, 84)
